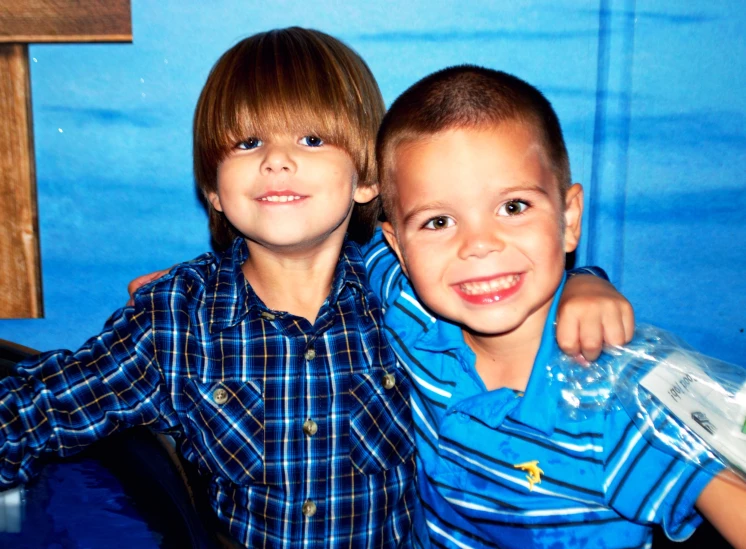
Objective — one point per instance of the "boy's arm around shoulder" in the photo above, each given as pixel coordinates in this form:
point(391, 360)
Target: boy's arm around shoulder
point(723, 502)
point(201, 266)
point(592, 313)
point(61, 401)
point(385, 275)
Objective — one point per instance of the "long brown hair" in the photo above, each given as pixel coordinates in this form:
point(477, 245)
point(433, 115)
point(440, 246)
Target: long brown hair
point(289, 80)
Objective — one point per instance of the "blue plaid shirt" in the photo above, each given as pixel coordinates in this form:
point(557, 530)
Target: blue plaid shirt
point(304, 430)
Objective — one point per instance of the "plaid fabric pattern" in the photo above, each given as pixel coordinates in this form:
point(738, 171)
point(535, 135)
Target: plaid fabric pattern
point(200, 357)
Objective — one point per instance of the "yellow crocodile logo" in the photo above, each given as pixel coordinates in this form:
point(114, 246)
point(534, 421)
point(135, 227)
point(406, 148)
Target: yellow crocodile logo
point(534, 473)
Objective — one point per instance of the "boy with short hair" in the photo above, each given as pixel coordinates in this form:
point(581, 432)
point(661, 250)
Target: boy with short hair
point(481, 211)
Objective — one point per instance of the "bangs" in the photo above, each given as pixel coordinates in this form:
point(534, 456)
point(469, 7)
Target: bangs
point(287, 105)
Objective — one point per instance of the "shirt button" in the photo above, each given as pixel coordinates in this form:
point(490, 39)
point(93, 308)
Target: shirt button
point(389, 381)
point(310, 354)
point(310, 427)
point(267, 316)
point(309, 508)
point(220, 396)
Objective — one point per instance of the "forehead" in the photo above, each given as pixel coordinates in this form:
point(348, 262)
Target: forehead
point(507, 154)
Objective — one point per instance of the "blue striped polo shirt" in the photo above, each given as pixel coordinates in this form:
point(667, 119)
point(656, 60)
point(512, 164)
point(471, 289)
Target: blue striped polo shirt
point(501, 469)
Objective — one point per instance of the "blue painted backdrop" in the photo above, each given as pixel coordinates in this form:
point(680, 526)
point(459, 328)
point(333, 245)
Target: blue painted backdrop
point(650, 93)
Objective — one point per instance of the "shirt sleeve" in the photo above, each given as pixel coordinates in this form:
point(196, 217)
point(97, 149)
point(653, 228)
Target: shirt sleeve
point(595, 271)
point(647, 483)
point(385, 275)
point(62, 401)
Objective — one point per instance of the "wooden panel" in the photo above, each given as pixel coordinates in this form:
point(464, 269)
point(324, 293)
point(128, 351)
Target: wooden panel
point(65, 21)
point(20, 282)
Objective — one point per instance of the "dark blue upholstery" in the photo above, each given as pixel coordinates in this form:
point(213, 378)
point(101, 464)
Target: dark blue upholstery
point(122, 492)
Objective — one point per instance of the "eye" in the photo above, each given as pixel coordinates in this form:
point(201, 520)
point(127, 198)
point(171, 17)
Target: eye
point(249, 144)
point(438, 223)
point(513, 207)
point(311, 141)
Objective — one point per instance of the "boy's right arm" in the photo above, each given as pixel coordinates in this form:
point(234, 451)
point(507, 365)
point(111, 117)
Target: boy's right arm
point(62, 401)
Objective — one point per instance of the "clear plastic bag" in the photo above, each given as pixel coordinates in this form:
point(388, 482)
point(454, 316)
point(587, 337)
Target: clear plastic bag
point(680, 400)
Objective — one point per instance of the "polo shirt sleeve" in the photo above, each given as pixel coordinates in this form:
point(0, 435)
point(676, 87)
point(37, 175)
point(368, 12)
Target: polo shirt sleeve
point(595, 271)
point(63, 401)
point(648, 483)
point(385, 275)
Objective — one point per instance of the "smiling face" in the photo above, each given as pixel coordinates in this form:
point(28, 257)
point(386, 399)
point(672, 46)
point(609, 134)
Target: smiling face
point(288, 192)
point(480, 227)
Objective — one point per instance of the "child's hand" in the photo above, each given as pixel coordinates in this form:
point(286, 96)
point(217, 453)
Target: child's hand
point(591, 313)
point(133, 286)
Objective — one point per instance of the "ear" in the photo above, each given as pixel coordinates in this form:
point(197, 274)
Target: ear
point(573, 216)
point(390, 234)
point(214, 199)
point(365, 194)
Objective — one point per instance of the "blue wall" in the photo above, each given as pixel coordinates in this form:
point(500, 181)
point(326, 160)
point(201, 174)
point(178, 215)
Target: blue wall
point(650, 97)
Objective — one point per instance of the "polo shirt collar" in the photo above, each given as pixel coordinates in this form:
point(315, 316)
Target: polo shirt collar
point(543, 389)
point(440, 336)
point(229, 296)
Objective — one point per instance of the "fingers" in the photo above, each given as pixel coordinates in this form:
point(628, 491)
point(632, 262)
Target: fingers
point(591, 338)
point(612, 327)
point(628, 320)
point(568, 334)
point(583, 328)
point(592, 314)
point(140, 281)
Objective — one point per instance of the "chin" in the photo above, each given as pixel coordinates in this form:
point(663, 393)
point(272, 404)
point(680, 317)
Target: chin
point(489, 329)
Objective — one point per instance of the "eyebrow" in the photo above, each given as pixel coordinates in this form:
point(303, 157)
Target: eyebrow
point(423, 208)
point(527, 188)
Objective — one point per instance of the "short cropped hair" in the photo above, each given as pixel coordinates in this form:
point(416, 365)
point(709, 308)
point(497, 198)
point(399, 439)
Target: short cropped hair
point(466, 96)
point(288, 80)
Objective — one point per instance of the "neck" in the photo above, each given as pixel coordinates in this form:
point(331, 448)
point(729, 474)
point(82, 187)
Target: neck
point(506, 360)
point(298, 282)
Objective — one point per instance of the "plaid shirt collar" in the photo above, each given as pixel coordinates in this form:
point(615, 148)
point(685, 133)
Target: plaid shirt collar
point(230, 297)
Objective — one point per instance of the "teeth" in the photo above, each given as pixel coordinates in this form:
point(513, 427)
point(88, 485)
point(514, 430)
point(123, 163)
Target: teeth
point(488, 286)
point(279, 198)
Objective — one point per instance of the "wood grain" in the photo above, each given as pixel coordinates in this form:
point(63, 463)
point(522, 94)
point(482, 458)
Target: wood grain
point(20, 280)
point(24, 21)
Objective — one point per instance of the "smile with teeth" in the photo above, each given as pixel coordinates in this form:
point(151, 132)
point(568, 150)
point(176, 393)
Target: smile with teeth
point(279, 198)
point(489, 286)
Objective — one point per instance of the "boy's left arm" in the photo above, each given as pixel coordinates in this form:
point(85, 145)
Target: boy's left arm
point(592, 313)
point(723, 502)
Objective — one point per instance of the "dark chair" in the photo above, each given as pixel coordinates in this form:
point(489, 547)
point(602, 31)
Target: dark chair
point(704, 537)
point(132, 469)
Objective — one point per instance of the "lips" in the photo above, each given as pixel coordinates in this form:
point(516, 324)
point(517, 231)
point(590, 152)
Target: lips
point(485, 291)
point(280, 197)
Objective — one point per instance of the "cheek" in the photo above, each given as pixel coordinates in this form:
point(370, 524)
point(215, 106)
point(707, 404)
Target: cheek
point(544, 244)
point(425, 265)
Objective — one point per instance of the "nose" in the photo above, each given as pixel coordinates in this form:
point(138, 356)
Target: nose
point(277, 159)
point(479, 240)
